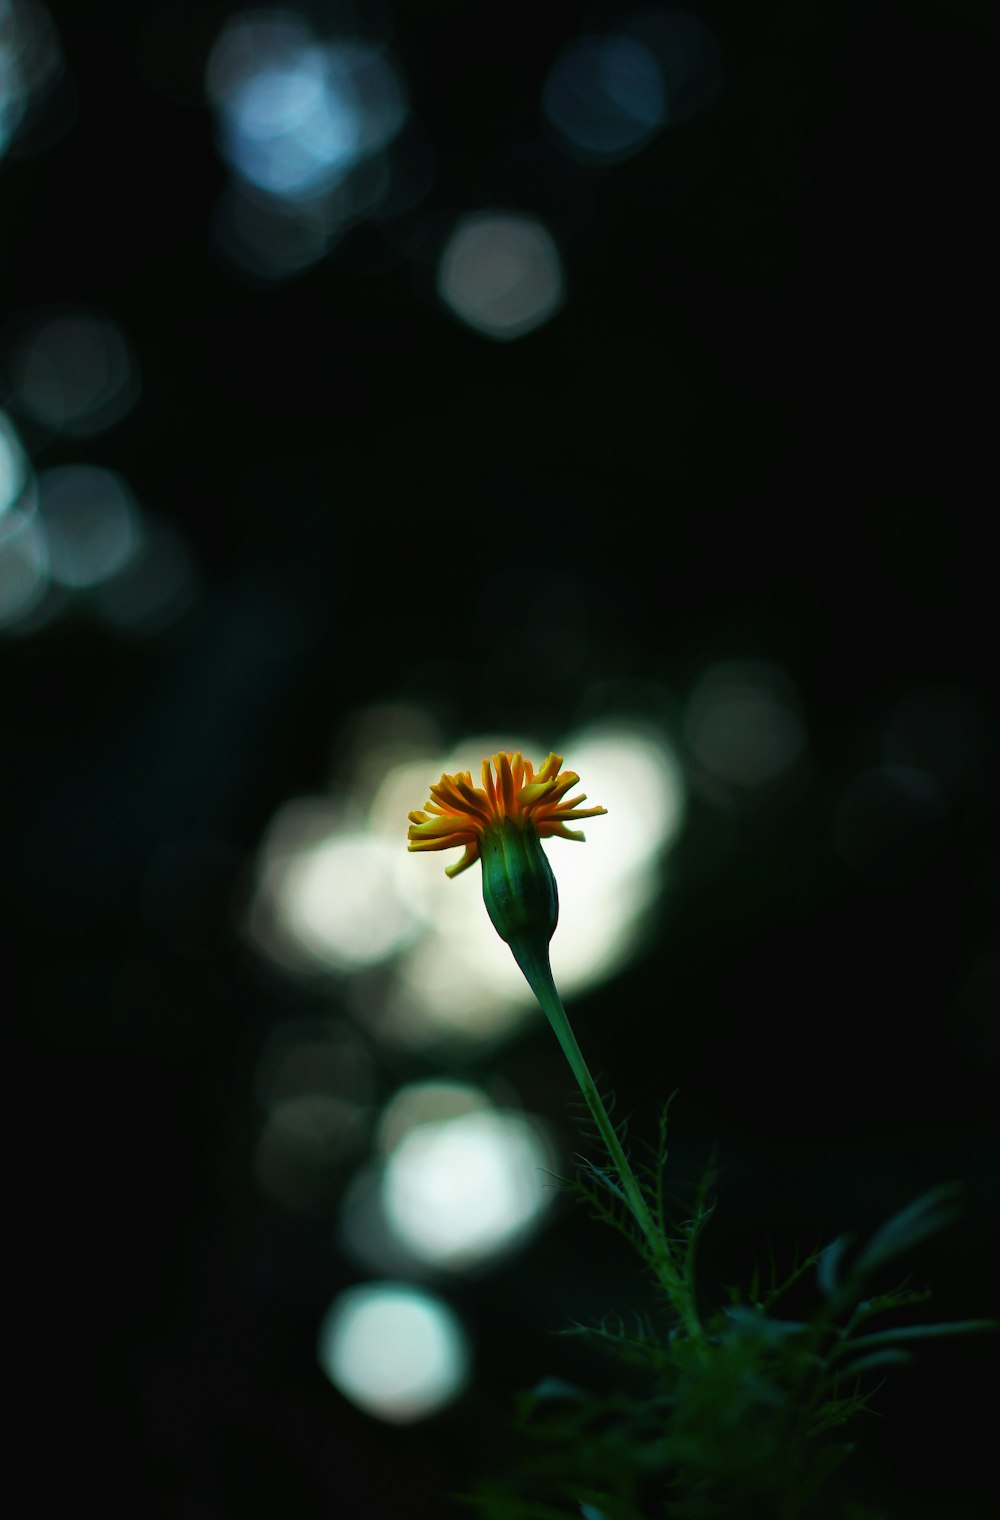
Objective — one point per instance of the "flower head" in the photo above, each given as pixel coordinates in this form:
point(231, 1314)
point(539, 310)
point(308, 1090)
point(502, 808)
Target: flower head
point(502, 823)
point(459, 813)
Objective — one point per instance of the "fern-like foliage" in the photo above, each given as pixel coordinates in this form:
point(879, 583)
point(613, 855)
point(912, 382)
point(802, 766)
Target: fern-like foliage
point(748, 1419)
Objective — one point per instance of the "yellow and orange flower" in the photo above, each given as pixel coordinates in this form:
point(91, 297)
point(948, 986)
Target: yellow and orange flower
point(459, 813)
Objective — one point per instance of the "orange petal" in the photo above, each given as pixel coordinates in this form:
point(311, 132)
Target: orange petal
point(506, 783)
point(447, 842)
point(469, 858)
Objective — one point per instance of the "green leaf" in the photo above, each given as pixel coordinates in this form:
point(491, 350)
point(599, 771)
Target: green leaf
point(928, 1214)
point(762, 1325)
point(799, 1269)
point(914, 1333)
point(896, 1298)
point(836, 1412)
point(830, 1259)
point(641, 1349)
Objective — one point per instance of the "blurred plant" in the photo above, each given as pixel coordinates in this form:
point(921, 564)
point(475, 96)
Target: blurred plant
point(746, 1421)
point(738, 1416)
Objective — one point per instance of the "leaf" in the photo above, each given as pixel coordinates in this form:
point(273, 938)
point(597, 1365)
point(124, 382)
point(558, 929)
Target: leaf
point(925, 1216)
point(836, 1412)
point(762, 1325)
point(612, 1209)
point(896, 1298)
point(642, 1349)
point(778, 1290)
point(914, 1333)
point(704, 1208)
point(604, 1178)
point(830, 1259)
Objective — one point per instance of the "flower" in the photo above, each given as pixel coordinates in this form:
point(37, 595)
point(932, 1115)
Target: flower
point(458, 813)
point(502, 823)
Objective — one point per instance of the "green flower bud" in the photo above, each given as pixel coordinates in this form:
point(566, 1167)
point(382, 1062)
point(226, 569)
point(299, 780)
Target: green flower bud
point(519, 889)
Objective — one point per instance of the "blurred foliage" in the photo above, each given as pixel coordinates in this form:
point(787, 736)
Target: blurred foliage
point(750, 1421)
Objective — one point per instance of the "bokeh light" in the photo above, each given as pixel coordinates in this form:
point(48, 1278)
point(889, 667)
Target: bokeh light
point(295, 114)
point(154, 588)
point(327, 893)
point(456, 1184)
point(687, 55)
point(76, 533)
point(24, 578)
point(304, 123)
point(396, 1351)
point(274, 238)
point(501, 274)
point(30, 60)
point(305, 1142)
point(463, 1187)
point(608, 95)
point(74, 373)
point(314, 1056)
point(91, 523)
point(605, 893)
point(419, 1103)
point(605, 96)
point(338, 903)
point(743, 723)
point(15, 469)
point(315, 1082)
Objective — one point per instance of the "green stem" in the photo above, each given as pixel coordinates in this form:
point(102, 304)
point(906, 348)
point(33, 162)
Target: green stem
point(533, 959)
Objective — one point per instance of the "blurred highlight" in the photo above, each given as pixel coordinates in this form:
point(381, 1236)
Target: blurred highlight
point(687, 54)
point(460, 1187)
point(91, 523)
point(74, 373)
point(15, 470)
point(30, 62)
point(743, 725)
point(23, 568)
point(315, 1082)
point(75, 536)
point(607, 96)
point(155, 588)
point(501, 274)
point(24, 576)
point(397, 1352)
point(303, 123)
point(327, 893)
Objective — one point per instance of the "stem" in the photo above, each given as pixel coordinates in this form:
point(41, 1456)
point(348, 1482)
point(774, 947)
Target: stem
point(534, 963)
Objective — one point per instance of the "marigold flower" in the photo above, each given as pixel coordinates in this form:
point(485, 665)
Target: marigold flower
point(460, 814)
point(502, 823)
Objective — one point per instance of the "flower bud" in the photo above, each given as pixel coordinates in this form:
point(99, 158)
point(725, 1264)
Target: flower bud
point(519, 889)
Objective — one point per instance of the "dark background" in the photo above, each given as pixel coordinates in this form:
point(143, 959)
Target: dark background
point(759, 429)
